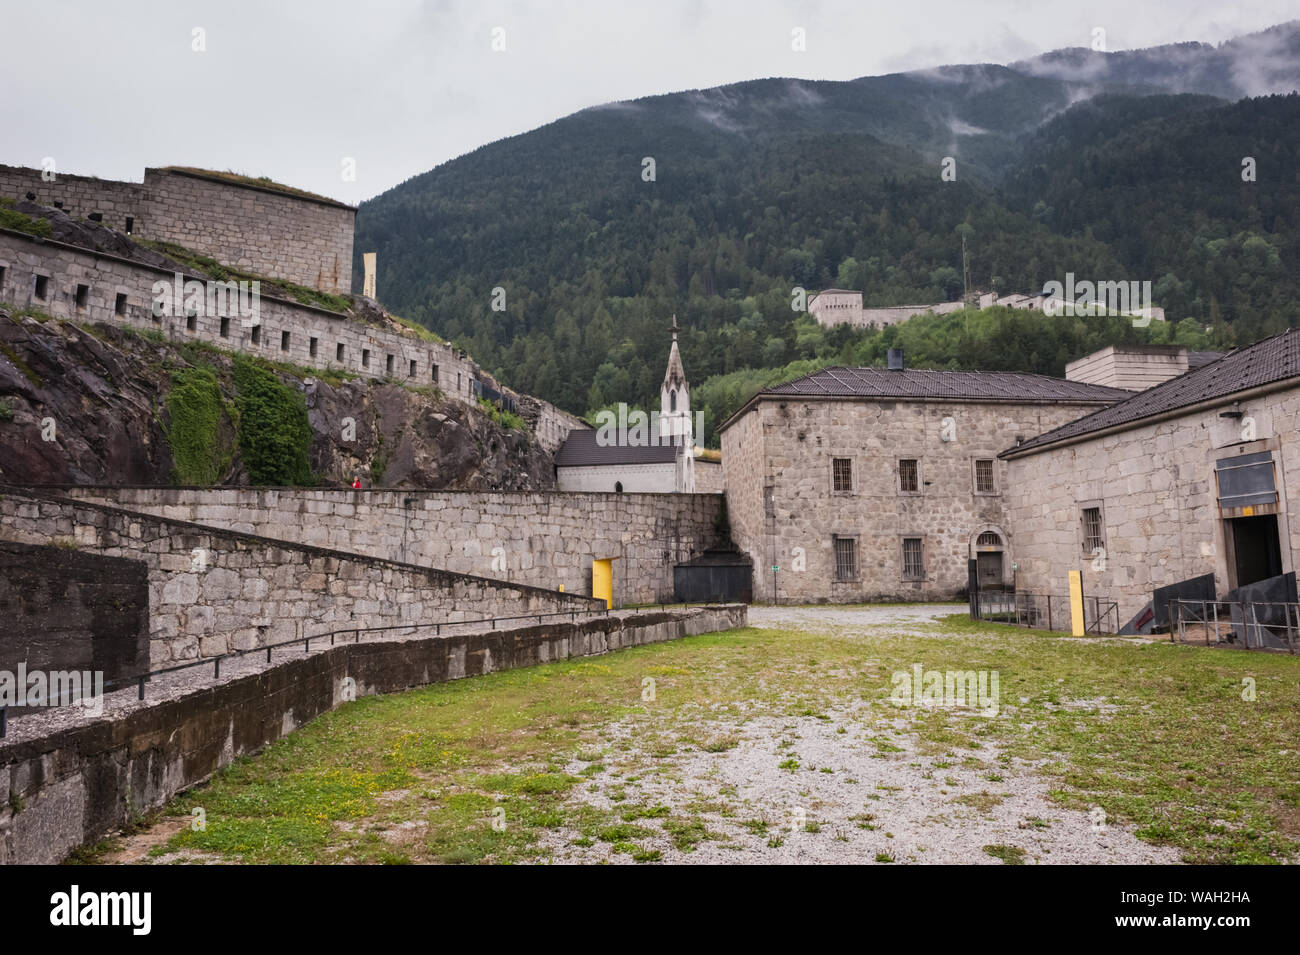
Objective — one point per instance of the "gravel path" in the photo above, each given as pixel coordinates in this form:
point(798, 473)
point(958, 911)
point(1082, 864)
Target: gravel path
point(843, 797)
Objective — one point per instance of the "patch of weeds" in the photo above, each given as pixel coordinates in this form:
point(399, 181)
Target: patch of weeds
point(1010, 855)
point(621, 833)
point(686, 833)
point(633, 813)
point(982, 800)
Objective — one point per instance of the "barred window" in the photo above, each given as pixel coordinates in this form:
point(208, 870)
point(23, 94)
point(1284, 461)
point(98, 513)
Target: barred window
point(842, 473)
point(908, 475)
point(988, 539)
point(912, 563)
point(846, 558)
point(1092, 538)
point(984, 476)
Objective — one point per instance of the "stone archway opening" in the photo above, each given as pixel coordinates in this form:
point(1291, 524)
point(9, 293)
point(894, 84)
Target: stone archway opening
point(989, 549)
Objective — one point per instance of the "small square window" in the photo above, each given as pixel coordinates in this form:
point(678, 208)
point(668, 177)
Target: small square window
point(191, 322)
point(338, 352)
point(224, 332)
point(984, 483)
point(365, 358)
point(434, 375)
point(130, 224)
point(411, 373)
point(913, 564)
point(388, 365)
point(42, 287)
point(257, 334)
point(119, 304)
point(83, 295)
point(311, 347)
point(842, 474)
point(846, 558)
point(3, 271)
point(284, 341)
point(1092, 536)
point(909, 478)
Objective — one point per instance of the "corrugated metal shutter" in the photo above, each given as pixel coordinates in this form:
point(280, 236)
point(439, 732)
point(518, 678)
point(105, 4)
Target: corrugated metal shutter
point(1246, 480)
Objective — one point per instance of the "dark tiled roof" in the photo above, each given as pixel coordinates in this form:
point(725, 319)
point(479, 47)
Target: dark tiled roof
point(1274, 359)
point(581, 450)
point(922, 384)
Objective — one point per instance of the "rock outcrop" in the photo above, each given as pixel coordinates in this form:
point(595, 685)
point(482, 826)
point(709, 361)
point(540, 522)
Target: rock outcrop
point(88, 405)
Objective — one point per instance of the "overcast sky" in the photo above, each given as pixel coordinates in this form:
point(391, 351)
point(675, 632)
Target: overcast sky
point(289, 89)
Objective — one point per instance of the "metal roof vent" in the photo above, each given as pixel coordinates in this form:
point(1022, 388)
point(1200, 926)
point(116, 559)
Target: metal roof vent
point(895, 359)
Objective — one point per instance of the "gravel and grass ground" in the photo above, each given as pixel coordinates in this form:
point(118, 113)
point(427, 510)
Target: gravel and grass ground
point(781, 743)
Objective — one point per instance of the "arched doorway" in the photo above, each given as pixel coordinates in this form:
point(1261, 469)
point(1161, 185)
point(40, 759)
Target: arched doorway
point(989, 550)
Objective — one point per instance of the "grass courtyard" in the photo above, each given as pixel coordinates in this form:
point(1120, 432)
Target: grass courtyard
point(780, 743)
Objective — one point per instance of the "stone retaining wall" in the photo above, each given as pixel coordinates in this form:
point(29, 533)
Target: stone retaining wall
point(212, 591)
point(542, 539)
point(78, 784)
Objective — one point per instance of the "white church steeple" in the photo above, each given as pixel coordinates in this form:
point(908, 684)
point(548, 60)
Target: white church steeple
point(675, 417)
point(675, 397)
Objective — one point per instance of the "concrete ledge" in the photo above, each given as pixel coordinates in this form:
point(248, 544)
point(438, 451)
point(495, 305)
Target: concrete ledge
point(77, 784)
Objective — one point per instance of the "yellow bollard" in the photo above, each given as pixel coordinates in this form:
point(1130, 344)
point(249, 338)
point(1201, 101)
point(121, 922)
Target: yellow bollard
point(1076, 603)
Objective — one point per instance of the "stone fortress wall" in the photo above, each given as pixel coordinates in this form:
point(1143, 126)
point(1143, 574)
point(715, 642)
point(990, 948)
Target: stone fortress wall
point(214, 590)
point(546, 540)
point(262, 229)
point(82, 285)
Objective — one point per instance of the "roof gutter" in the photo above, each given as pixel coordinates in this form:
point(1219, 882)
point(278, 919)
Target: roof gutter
point(1258, 391)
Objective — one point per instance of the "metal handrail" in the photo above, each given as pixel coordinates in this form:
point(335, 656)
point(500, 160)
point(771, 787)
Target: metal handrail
point(215, 662)
point(1028, 610)
point(1182, 609)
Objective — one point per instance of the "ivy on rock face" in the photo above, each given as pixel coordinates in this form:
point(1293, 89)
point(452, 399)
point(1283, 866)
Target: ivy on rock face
point(201, 448)
point(274, 435)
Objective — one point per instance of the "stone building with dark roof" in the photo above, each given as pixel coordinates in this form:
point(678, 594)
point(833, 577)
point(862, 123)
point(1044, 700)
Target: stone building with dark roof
point(1187, 479)
point(859, 484)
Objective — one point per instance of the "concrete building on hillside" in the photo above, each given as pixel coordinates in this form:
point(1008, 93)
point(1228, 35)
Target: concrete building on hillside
point(837, 306)
point(856, 484)
point(1197, 476)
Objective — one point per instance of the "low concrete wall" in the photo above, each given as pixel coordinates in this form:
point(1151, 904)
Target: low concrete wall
point(212, 591)
point(78, 784)
point(540, 539)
